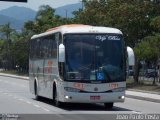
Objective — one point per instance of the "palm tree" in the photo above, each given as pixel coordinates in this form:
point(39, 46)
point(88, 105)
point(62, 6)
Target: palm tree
point(6, 31)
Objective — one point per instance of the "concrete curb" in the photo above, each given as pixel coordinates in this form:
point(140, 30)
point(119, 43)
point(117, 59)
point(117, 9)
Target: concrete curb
point(142, 91)
point(143, 98)
point(14, 76)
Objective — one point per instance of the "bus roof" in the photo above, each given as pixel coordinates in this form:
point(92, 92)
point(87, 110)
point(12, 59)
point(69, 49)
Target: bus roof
point(78, 28)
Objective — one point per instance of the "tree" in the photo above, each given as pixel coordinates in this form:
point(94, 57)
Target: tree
point(6, 30)
point(149, 50)
point(6, 53)
point(14, 48)
point(91, 14)
point(45, 19)
point(155, 24)
point(20, 49)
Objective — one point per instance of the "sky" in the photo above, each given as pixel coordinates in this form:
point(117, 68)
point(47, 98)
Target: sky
point(34, 4)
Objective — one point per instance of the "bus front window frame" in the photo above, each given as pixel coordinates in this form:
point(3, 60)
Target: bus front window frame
point(78, 74)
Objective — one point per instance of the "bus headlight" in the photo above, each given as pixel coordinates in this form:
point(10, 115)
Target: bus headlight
point(69, 89)
point(121, 89)
point(122, 97)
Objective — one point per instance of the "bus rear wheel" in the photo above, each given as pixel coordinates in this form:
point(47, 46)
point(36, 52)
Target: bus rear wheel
point(108, 106)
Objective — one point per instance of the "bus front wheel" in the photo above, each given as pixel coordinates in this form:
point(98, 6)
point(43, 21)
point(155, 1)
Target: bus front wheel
point(57, 103)
point(35, 90)
point(108, 106)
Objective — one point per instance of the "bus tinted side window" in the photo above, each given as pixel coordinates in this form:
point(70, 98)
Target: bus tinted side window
point(44, 47)
point(33, 49)
point(41, 54)
point(54, 47)
point(48, 47)
point(37, 47)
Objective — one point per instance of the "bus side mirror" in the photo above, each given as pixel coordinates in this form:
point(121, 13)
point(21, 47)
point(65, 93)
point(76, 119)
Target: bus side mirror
point(61, 53)
point(131, 56)
point(130, 61)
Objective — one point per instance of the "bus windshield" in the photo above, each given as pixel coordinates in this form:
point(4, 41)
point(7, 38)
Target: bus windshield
point(94, 57)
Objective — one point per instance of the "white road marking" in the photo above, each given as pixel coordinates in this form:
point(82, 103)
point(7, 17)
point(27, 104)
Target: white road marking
point(136, 112)
point(15, 97)
point(21, 99)
point(12, 83)
point(28, 102)
point(36, 105)
point(45, 109)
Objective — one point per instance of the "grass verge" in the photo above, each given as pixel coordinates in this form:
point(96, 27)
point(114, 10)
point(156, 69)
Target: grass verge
point(14, 72)
point(144, 85)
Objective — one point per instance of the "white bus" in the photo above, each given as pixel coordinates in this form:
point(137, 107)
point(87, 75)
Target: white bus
point(78, 64)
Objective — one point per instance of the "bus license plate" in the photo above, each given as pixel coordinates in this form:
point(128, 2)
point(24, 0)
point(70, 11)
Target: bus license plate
point(95, 97)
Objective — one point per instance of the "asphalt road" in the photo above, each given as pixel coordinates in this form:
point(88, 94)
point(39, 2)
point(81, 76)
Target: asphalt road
point(15, 98)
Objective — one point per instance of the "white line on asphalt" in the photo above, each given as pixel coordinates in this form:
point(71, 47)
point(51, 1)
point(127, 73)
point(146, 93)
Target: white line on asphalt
point(136, 112)
point(15, 97)
point(28, 102)
point(36, 105)
point(17, 84)
point(45, 109)
point(21, 99)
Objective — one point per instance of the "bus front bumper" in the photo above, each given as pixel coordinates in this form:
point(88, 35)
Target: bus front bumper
point(93, 97)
